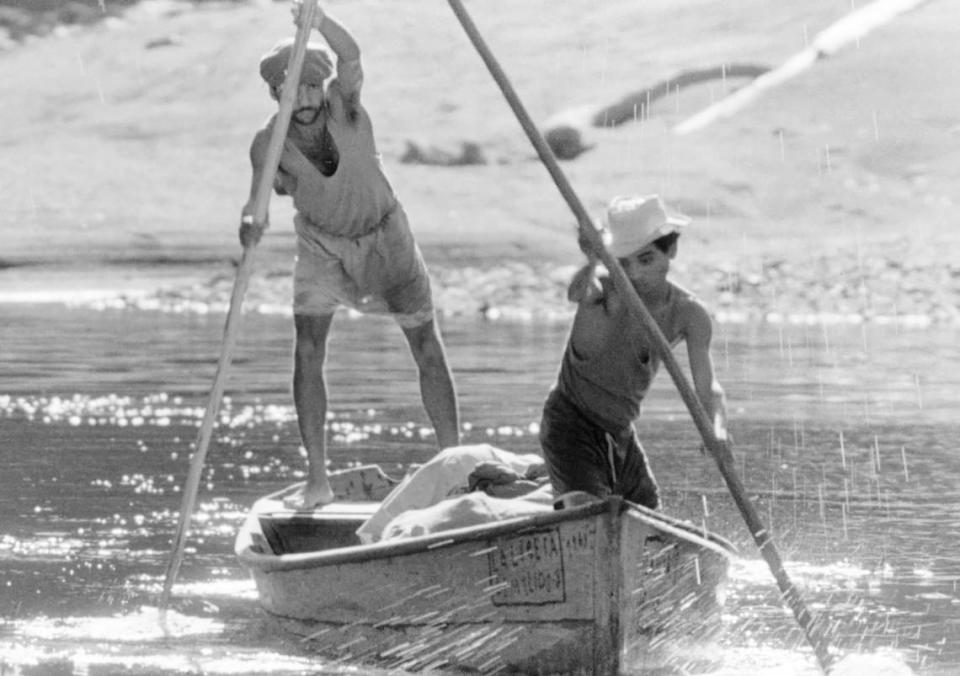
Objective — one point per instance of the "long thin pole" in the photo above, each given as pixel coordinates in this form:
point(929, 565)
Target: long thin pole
point(231, 329)
point(717, 448)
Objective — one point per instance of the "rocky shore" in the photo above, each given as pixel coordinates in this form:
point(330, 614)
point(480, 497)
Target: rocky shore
point(21, 20)
point(880, 283)
point(822, 202)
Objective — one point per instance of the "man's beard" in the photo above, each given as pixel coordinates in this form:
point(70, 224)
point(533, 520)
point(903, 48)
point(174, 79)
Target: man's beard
point(307, 115)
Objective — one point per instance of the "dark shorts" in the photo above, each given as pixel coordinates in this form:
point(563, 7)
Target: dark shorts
point(582, 456)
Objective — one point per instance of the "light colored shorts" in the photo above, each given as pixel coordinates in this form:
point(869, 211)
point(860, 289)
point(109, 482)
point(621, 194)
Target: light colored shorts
point(382, 272)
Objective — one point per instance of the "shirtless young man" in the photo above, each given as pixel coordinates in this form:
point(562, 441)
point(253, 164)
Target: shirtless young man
point(354, 244)
point(587, 433)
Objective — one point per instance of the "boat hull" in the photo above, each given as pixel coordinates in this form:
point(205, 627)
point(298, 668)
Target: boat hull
point(593, 589)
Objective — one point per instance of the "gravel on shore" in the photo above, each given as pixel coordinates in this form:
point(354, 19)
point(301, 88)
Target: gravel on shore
point(874, 284)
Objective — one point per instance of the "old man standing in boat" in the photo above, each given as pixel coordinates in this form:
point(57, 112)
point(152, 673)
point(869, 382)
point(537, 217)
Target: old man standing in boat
point(354, 244)
point(586, 432)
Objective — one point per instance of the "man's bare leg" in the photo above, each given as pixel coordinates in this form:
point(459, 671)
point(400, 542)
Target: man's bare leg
point(436, 382)
point(310, 399)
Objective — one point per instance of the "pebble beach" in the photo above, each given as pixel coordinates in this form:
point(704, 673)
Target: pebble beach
point(829, 199)
point(877, 285)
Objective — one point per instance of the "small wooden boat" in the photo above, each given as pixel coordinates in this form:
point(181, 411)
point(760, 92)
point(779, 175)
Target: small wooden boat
point(596, 588)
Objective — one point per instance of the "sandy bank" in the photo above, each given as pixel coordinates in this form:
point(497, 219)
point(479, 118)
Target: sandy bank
point(833, 195)
point(872, 284)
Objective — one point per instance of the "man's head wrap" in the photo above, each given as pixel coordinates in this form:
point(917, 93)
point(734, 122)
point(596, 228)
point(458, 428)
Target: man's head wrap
point(317, 64)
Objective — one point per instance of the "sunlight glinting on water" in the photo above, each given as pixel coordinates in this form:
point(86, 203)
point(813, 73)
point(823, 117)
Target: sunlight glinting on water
point(146, 641)
point(863, 626)
point(113, 409)
point(227, 588)
point(144, 625)
point(840, 486)
point(130, 660)
point(163, 410)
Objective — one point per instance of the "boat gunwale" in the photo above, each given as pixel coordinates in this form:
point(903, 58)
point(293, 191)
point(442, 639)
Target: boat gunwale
point(363, 553)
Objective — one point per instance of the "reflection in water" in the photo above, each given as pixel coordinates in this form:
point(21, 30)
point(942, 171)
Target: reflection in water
point(845, 438)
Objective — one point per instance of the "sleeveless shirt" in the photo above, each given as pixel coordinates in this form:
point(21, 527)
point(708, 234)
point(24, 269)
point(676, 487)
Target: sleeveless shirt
point(354, 200)
point(608, 379)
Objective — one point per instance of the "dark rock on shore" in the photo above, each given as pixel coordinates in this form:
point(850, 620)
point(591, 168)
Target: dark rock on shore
point(565, 132)
point(466, 154)
point(21, 19)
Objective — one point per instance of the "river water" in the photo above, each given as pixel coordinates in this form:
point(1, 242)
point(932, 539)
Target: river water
point(846, 437)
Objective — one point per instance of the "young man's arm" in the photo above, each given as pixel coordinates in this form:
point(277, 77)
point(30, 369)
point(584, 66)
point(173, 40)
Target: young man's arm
point(343, 44)
point(699, 336)
point(283, 184)
point(585, 287)
point(341, 41)
point(250, 232)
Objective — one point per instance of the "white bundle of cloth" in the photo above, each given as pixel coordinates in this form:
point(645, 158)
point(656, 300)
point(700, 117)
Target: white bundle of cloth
point(461, 486)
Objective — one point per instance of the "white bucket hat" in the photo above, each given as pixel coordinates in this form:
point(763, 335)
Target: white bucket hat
point(631, 223)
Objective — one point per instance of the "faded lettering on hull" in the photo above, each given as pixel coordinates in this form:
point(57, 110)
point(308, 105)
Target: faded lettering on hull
point(530, 568)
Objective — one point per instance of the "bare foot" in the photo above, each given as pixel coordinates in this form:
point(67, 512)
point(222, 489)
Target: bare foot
point(315, 493)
